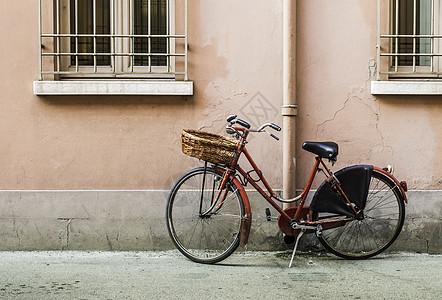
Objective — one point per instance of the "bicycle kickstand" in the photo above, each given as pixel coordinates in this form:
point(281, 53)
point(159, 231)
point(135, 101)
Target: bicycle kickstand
point(296, 246)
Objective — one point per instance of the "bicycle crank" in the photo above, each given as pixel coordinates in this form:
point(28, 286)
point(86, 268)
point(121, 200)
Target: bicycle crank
point(291, 228)
point(298, 226)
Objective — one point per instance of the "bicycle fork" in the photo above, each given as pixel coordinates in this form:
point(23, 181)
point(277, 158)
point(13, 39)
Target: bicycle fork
point(216, 195)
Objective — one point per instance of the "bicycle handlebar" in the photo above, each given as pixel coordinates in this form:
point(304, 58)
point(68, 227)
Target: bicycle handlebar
point(242, 123)
point(232, 119)
point(272, 125)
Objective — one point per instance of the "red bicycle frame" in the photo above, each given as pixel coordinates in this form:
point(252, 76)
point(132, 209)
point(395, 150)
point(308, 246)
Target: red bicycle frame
point(229, 173)
point(271, 197)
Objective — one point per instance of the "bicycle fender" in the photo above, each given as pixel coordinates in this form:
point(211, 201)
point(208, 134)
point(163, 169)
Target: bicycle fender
point(246, 220)
point(401, 189)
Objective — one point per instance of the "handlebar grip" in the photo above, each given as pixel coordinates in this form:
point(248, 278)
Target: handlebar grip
point(243, 123)
point(231, 118)
point(276, 127)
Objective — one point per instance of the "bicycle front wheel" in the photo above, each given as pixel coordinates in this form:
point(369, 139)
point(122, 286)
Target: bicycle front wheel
point(378, 228)
point(204, 231)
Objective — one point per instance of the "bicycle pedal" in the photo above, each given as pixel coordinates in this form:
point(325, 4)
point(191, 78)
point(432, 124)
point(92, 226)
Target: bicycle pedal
point(269, 215)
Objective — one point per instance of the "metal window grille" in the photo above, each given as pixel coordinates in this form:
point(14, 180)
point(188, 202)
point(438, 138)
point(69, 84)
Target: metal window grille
point(113, 39)
point(407, 38)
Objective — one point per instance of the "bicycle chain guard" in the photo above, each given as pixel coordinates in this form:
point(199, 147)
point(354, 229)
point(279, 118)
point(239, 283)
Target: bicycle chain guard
point(354, 181)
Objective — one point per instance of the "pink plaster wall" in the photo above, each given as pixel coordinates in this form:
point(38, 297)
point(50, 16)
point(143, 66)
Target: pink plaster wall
point(132, 142)
point(235, 57)
point(336, 46)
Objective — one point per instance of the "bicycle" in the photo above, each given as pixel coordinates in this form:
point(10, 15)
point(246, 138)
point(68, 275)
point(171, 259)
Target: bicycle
point(356, 213)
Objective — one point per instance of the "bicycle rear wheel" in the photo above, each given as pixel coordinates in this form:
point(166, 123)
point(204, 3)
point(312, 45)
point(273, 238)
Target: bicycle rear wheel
point(202, 234)
point(379, 227)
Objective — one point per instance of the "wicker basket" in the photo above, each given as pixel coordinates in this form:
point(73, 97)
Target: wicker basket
point(208, 146)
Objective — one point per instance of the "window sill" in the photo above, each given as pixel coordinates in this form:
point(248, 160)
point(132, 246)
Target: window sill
point(111, 87)
point(406, 88)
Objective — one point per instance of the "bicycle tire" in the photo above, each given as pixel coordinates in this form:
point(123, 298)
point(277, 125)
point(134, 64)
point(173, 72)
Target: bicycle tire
point(207, 238)
point(383, 219)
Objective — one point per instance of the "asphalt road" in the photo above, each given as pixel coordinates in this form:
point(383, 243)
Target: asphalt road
point(249, 275)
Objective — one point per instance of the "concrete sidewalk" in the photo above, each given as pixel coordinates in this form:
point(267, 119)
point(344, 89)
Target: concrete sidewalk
point(249, 275)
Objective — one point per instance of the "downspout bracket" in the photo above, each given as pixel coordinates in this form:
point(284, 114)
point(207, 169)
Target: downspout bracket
point(290, 110)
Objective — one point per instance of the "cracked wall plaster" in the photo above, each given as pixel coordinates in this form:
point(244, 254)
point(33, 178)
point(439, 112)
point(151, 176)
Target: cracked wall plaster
point(355, 125)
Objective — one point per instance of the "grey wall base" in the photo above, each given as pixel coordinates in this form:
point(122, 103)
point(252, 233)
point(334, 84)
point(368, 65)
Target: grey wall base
point(135, 220)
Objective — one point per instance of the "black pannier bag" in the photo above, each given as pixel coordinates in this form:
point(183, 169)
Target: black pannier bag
point(355, 182)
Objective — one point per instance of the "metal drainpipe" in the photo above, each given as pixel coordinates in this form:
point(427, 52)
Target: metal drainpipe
point(289, 107)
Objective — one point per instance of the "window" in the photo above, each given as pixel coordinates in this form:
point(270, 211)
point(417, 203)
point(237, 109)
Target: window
point(411, 23)
point(150, 19)
point(108, 39)
point(409, 48)
point(408, 41)
point(89, 19)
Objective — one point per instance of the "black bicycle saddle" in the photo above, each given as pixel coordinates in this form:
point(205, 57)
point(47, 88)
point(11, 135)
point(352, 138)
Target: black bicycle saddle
point(323, 149)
